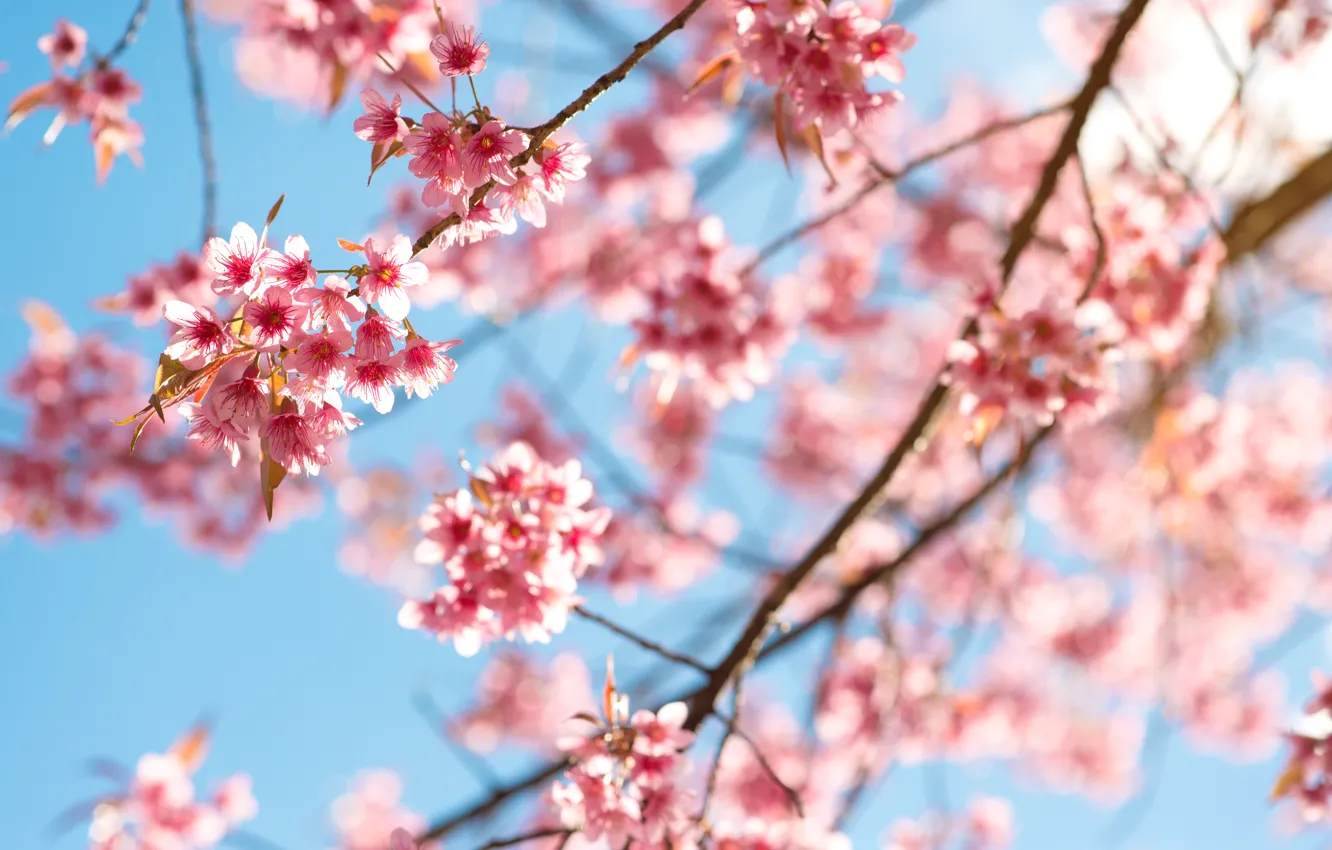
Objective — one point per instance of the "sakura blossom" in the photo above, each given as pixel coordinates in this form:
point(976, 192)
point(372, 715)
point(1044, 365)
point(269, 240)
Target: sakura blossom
point(514, 546)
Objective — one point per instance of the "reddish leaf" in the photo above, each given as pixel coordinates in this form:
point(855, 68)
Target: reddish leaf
point(712, 70)
point(337, 86)
point(779, 126)
point(395, 149)
point(1286, 782)
point(273, 211)
point(350, 246)
point(23, 105)
point(192, 747)
point(814, 138)
point(271, 472)
point(138, 429)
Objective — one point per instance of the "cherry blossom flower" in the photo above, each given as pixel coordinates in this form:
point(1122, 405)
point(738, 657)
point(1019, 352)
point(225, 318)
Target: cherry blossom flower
point(460, 51)
point(382, 121)
point(390, 271)
point(65, 46)
point(237, 265)
point(487, 153)
point(201, 336)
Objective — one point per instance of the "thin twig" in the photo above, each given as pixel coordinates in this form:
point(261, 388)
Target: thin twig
point(540, 133)
point(888, 176)
point(733, 727)
point(530, 836)
point(641, 641)
point(206, 157)
point(128, 37)
point(433, 715)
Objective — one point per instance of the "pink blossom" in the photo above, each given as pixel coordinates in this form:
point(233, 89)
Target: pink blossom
point(376, 336)
point(382, 121)
point(65, 46)
point(333, 304)
point(425, 366)
point(243, 402)
point(238, 265)
point(322, 356)
point(560, 165)
point(487, 153)
point(523, 199)
point(212, 431)
point(460, 51)
point(372, 381)
point(436, 148)
point(390, 272)
point(273, 318)
point(294, 444)
point(291, 269)
point(200, 338)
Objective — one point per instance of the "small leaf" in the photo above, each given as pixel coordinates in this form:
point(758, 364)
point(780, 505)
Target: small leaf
point(779, 126)
point(128, 419)
point(585, 715)
point(814, 138)
point(104, 156)
point(350, 246)
point(609, 692)
point(169, 371)
point(273, 212)
point(23, 105)
point(192, 747)
point(1286, 782)
point(157, 406)
point(712, 70)
point(423, 62)
point(138, 429)
point(733, 86)
point(271, 472)
point(481, 490)
point(395, 149)
point(337, 86)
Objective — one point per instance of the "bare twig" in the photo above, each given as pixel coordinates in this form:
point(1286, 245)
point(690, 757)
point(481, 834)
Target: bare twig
point(733, 728)
point(640, 640)
point(206, 158)
point(526, 837)
point(887, 176)
point(433, 715)
point(128, 37)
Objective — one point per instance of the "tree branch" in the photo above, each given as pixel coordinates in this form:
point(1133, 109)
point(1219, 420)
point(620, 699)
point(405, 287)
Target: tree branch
point(201, 120)
point(540, 133)
point(128, 37)
point(641, 641)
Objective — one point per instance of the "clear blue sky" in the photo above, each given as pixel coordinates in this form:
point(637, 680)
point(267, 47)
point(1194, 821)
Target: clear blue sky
point(113, 645)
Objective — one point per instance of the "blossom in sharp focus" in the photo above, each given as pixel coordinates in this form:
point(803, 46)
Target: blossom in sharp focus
point(238, 264)
point(391, 270)
point(460, 51)
point(382, 121)
point(486, 155)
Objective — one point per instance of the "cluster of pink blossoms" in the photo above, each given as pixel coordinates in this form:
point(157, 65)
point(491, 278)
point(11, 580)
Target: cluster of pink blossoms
point(524, 702)
point(99, 94)
point(371, 811)
point(309, 53)
point(626, 784)
point(278, 368)
point(1049, 360)
point(823, 56)
point(467, 158)
point(513, 545)
point(987, 824)
point(186, 279)
point(159, 808)
point(1307, 777)
point(700, 320)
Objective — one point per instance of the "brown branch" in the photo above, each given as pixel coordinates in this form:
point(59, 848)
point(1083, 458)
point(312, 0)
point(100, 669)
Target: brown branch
point(128, 37)
point(530, 836)
point(733, 728)
point(540, 133)
point(1097, 80)
point(889, 176)
point(206, 157)
point(641, 641)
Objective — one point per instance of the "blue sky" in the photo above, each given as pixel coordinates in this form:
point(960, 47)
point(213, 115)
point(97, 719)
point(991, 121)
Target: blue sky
point(114, 644)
